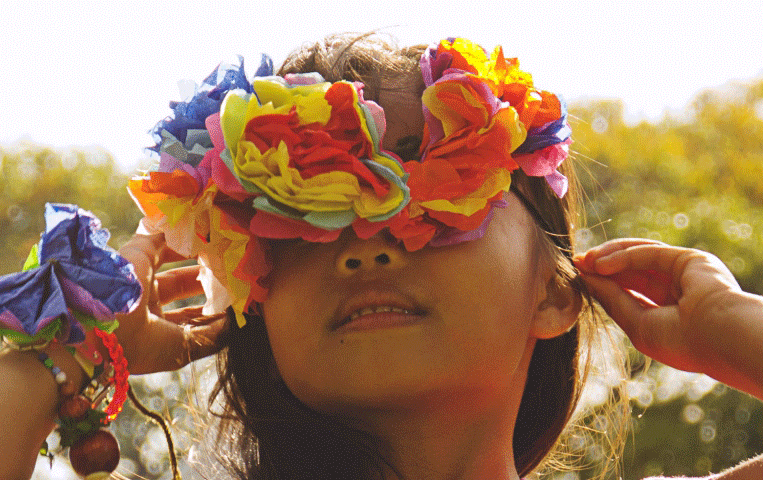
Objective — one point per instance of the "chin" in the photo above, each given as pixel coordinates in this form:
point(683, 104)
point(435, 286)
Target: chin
point(380, 370)
point(385, 388)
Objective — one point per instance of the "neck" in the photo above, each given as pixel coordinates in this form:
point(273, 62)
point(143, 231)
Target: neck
point(451, 441)
point(465, 435)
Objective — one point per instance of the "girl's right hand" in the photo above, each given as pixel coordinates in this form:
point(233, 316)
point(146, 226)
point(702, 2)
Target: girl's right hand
point(154, 340)
point(680, 306)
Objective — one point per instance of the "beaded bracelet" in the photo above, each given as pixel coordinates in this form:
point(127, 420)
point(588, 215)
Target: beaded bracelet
point(65, 387)
point(58, 374)
point(93, 450)
point(120, 373)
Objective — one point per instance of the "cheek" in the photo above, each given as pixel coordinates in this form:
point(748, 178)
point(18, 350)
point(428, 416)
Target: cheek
point(287, 313)
point(495, 311)
point(497, 289)
point(295, 313)
point(291, 343)
point(495, 274)
point(296, 283)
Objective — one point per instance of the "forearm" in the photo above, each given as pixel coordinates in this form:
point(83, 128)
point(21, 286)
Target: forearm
point(28, 402)
point(750, 470)
point(740, 343)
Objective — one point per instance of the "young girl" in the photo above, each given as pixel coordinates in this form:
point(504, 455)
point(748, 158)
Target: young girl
point(403, 298)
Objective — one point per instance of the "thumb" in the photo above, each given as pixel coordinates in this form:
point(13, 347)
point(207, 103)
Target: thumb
point(625, 309)
point(653, 330)
point(207, 339)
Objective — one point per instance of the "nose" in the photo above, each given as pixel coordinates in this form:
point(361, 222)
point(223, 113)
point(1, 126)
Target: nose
point(378, 252)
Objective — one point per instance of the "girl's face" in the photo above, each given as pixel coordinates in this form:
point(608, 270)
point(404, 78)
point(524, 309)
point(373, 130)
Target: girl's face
point(468, 319)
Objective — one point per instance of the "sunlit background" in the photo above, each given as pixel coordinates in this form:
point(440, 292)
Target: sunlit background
point(667, 105)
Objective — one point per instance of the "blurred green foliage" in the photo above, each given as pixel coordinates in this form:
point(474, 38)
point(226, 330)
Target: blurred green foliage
point(695, 181)
point(33, 175)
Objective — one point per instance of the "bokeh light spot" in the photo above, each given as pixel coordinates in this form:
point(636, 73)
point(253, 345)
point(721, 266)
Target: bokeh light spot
point(692, 413)
point(680, 221)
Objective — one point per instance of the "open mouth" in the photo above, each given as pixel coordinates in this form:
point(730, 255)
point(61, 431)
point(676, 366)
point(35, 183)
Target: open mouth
point(380, 316)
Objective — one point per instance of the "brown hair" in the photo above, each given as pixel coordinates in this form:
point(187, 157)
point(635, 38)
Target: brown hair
point(277, 435)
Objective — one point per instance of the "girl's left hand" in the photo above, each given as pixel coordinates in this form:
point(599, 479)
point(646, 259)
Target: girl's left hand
point(680, 306)
point(155, 340)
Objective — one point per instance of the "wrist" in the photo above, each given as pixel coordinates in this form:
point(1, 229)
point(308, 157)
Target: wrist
point(64, 360)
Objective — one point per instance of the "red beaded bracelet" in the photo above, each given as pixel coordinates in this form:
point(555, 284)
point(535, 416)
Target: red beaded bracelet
point(119, 363)
point(93, 450)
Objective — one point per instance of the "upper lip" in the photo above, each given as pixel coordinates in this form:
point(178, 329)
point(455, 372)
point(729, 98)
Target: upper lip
point(374, 297)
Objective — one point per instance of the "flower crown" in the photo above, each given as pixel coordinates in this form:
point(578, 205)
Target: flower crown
point(298, 157)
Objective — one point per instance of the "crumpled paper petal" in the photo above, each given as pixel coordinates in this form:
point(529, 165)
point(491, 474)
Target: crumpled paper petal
point(31, 300)
point(206, 100)
point(453, 236)
point(544, 162)
point(75, 270)
point(217, 295)
point(540, 125)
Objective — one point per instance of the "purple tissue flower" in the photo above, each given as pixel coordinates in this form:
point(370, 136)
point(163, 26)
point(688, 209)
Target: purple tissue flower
point(76, 270)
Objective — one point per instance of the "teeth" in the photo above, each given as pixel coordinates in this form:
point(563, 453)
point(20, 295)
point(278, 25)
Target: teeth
point(379, 309)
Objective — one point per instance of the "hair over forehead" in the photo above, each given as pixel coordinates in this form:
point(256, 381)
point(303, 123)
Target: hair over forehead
point(391, 76)
point(371, 58)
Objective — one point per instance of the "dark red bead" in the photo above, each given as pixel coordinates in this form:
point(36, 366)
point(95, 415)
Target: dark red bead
point(67, 389)
point(98, 452)
point(74, 407)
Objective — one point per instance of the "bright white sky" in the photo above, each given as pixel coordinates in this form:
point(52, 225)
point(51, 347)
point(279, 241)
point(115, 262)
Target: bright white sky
point(102, 73)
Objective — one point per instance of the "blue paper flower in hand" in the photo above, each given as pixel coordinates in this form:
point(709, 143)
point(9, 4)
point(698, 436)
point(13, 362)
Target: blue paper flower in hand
point(71, 280)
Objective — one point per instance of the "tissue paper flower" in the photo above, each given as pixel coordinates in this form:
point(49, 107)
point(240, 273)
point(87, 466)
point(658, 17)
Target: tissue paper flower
point(70, 277)
point(307, 153)
point(298, 157)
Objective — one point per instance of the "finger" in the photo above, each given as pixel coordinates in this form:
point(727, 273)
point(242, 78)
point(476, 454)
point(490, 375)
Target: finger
point(170, 256)
point(586, 261)
point(623, 307)
point(149, 246)
point(654, 331)
point(191, 315)
point(656, 286)
point(657, 257)
point(651, 269)
point(178, 284)
point(149, 250)
point(651, 329)
point(142, 251)
point(583, 262)
point(611, 246)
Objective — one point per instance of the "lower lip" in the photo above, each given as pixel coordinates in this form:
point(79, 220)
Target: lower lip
point(376, 321)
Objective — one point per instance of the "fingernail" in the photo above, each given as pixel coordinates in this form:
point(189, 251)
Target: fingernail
point(581, 261)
